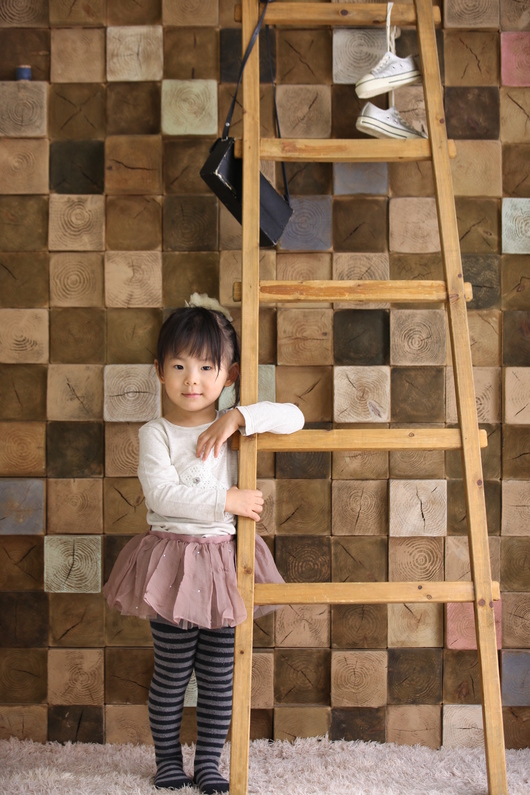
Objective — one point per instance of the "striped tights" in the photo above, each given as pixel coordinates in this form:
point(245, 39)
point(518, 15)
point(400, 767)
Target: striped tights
point(177, 653)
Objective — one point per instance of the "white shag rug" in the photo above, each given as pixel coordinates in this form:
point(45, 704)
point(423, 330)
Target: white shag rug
point(312, 766)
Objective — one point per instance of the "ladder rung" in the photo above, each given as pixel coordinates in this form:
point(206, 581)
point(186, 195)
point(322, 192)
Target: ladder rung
point(317, 441)
point(364, 290)
point(344, 150)
point(289, 15)
point(365, 593)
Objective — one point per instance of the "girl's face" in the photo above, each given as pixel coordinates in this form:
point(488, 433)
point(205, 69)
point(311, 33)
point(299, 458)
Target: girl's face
point(193, 385)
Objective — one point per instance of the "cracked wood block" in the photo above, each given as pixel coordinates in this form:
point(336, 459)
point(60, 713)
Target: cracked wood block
point(304, 179)
point(225, 95)
point(77, 167)
point(24, 223)
point(411, 179)
point(23, 279)
point(415, 559)
point(488, 389)
point(230, 55)
point(359, 626)
point(22, 563)
point(134, 223)
point(516, 384)
point(359, 507)
point(29, 46)
point(304, 56)
point(516, 727)
point(89, 13)
point(24, 165)
point(75, 676)
point(127, 724)
point(471, 58)
point(303, 558)
point(24, 619)
point(303, 626)
point(514, 15)
point(76, 279)
point(72, 564)
point(360, 224)
point(133, 108)
point(267, 523)
point(230, 272)
point(457, 515)
point(515, 668)
point(23, 676)
point(303, 267)
point(264, 631)
point(305, 336)
point(310, 225)
point(356, 52)
point(310, 388)
point(410, 103)
point(472, 112)
point(361, 337)
point(362, 394)
point(190, 223)
point(477, 168)
point(23, 109)
point(77, 223)
point(22, 507)
point(183, 159)
point(24, 336)
point(413, 224)
point(124, 506)
point(418, 394)
point(121, 449)
point(516, 619)
point(458, 14)
point(358, 723)
point(359, 559)
point(293, 722)
point(76, 111)
point(485, 337)
point(262, 693)
point(126, 630)
point(78, 55)
point(457, 565)
point(483, 271)
point(417, 337)
point(460, 630)
point(515, 55)
point(187, 273)
point(358, 678)
point(183, 13)
point(516, 170)
point(462, 726)
point(77, 335)
point(305, 111)
point(514, 568)
point(360, 464)
point(416, 266)
point(134, 53)
point(415, 675)
point(189, 107)
point(515, 508)
point(133, 279)
point(140, 12)
point(23, 392)
point(302, 676)
point(461, 680)
point(22, 449)
point(516, 226)
point(358, 266)
point(192, 53)
point(132, 335)
point(303, 507)
point(229, 229)
point(75, 449)
point(133, 164)
point(515, 111)
point(132, 393)
point(414, 724)
point(410, 464)
point(130, 686)
point(74, 505)
point(418, 507)
point(77, 620)
point(415, 625)
point(351, 178)
point(75, 392)
point(24, 722)
point(83, 724)
point(516, 339)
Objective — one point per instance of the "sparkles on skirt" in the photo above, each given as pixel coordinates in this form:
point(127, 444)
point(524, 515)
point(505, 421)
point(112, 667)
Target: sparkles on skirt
point(186, 580)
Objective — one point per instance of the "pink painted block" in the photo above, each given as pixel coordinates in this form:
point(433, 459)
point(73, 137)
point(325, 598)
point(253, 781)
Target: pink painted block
point(460, 625)
point(515, 59)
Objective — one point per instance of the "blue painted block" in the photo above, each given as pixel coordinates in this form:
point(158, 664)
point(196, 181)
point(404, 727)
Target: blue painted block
point(22, 507)
point(310, 226)
point(351, 178)
point(515, 677)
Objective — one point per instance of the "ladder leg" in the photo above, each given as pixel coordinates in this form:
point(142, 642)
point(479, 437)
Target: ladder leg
point(465, 393)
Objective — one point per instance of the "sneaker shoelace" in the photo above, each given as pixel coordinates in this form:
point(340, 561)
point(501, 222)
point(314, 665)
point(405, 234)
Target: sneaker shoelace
point(382, 63)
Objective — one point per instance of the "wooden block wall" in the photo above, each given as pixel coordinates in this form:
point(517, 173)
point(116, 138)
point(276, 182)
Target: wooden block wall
point(105, 224)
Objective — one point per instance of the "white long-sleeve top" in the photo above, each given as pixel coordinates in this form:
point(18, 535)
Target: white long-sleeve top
point(187, 495)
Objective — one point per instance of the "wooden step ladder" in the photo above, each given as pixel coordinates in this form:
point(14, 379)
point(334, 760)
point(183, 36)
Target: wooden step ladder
point(481, 591)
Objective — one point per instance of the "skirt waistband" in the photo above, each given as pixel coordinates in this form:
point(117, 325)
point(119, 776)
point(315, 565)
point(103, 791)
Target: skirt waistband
point(189, 538)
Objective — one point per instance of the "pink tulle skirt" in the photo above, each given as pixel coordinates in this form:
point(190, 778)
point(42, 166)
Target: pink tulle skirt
point(186, 580)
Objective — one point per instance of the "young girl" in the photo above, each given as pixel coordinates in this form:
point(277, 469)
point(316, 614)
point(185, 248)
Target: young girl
point(182, 574)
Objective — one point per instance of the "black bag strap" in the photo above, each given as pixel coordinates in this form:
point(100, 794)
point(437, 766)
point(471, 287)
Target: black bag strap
point(226, 128)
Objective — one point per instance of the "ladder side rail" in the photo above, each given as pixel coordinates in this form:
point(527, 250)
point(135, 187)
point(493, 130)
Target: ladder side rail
point(249, 394)
point(465, 397)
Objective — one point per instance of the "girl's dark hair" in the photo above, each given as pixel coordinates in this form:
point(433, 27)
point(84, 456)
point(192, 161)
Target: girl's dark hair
point(199, 332)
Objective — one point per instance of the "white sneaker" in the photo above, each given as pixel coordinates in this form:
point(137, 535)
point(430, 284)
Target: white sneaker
point(385, 123)
point(391, 72)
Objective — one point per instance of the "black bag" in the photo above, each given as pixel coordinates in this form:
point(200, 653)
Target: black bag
point(223, 172)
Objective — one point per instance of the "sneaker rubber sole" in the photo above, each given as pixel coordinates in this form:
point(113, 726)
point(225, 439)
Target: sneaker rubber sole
point(375, 86)
point(378, 129)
